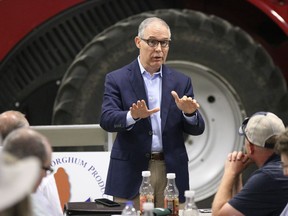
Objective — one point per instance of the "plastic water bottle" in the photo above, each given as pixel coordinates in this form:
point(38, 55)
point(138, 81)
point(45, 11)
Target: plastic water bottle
point(148, 209)
point(171, 195)
point(190, 208)
point(146, 190)
point(129, 209)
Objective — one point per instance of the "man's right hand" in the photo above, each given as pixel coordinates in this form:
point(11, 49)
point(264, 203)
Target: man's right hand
point(139, 110)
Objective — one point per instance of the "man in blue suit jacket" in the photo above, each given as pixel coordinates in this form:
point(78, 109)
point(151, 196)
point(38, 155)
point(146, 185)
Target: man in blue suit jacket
point(142, 105)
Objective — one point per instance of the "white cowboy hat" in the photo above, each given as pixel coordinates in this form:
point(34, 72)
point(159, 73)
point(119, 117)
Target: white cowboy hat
point(17, 178)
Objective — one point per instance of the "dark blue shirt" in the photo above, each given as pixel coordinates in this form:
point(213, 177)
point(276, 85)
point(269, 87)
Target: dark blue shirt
point(265, 192)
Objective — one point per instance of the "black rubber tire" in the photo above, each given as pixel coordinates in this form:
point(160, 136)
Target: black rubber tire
point(196, 37)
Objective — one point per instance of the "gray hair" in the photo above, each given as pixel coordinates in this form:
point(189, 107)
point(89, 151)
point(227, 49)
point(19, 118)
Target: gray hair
point(145, 23)
point(25, 142)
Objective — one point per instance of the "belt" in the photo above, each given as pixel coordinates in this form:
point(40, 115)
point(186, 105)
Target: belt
point(157, 156)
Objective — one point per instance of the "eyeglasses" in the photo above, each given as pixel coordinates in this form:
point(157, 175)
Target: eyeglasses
point(243, 126)
point(48, 170)
point(154, 42)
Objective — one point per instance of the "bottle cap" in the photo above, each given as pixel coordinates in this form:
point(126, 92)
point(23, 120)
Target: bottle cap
point(129, 202)
point(148, 206)
point(190, 193)
point(146, 173)
point(171, 175)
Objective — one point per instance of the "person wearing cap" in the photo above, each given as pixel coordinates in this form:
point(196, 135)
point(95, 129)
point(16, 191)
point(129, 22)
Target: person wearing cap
point(282, 149)
point(266, 191)
point(17, 180)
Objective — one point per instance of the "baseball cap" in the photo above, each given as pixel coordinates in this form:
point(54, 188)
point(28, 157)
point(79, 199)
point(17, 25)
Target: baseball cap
point(260, 127)
point(17, 178)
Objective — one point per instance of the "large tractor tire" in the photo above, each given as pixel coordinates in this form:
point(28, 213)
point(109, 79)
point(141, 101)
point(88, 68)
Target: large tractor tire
point(233, 77)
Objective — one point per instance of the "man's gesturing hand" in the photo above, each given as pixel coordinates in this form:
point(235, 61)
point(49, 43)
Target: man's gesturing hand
point(140, 110)
point(187, 104)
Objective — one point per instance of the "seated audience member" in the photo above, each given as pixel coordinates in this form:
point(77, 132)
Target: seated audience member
point(17, 180)
point(25, 142)
point(11, 120)
point(282, 149)
point(266, 191)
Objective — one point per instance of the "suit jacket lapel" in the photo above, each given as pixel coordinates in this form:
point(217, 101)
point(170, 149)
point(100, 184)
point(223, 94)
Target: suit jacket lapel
point(136, 81)
point(167, 98)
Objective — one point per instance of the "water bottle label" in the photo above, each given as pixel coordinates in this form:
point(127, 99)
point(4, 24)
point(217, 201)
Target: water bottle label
point(145, 198)
point(173, 205)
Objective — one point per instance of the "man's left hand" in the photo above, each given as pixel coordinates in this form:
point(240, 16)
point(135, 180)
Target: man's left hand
point(187, 104)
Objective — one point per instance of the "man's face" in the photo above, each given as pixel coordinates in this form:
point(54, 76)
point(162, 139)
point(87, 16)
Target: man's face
point(153, 57)
point(284, 159)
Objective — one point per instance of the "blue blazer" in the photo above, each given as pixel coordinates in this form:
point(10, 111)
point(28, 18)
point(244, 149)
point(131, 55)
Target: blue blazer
point(131, 149)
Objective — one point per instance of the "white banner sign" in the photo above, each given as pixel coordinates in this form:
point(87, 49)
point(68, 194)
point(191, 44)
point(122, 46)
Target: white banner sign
point(80, 176)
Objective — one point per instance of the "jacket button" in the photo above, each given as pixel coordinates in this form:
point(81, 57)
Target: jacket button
point(147, 155)
point(150, 133)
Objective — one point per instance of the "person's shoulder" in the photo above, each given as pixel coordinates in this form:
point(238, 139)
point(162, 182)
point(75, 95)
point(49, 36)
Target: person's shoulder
point(268, 174)
point(125, 68)
point(40, 205)
point(175, 75)
point(169, 70)
point(274, 169)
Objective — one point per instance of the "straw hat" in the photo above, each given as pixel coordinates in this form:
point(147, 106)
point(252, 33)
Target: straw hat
point(17, 178)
